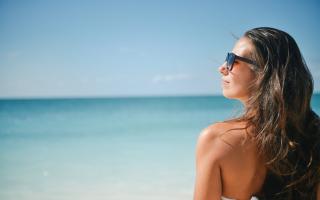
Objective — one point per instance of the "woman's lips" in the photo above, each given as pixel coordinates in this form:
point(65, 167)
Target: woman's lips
point(224, 82)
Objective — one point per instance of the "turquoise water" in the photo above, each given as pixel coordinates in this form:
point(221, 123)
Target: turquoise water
point(113, 148)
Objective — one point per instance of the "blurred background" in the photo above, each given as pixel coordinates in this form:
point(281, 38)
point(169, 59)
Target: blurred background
point(105, 99)
point(135, 48)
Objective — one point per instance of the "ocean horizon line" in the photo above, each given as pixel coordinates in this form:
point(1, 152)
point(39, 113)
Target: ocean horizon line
point(108, 97)
point(115, 96)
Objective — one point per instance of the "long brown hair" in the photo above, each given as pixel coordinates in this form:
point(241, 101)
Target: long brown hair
point(279, 113)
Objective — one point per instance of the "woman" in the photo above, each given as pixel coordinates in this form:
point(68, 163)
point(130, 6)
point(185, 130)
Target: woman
point(272, 150)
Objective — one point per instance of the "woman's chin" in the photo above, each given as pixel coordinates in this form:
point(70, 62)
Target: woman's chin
point(230, 95)
point(227, 94)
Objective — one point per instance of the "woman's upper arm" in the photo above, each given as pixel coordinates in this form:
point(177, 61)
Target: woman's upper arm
point(209, 151)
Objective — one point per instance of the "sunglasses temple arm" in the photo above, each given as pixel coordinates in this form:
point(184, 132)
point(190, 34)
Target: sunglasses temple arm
point(246, 60)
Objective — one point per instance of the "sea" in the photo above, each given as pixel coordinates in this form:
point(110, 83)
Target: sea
point(134, 148)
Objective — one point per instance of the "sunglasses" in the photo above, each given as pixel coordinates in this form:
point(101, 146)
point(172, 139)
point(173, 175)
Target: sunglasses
point(231, 57)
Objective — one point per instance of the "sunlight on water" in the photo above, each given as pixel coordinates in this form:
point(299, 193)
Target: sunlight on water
point(130, 148)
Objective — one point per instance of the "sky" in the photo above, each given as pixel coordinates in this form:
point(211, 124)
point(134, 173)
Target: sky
point(117, 48)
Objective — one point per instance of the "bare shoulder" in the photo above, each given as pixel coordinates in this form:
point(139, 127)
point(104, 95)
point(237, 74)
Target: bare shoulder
point(232, 133)
point(220, 139)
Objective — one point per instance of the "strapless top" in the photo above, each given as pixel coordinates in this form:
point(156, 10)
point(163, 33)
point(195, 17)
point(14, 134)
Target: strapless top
point(226, 198)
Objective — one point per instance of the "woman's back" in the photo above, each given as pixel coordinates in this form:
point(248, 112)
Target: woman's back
point(242, 169)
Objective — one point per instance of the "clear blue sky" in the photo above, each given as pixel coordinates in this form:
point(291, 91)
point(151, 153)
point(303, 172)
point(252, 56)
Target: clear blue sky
point(130, 48)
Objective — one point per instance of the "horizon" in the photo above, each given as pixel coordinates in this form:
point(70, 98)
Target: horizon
point(121, 97)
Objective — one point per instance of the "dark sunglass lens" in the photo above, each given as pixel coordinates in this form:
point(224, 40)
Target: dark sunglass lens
point(230, 59)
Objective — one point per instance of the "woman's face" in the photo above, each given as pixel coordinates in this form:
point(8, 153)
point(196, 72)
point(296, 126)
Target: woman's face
point(236, 83)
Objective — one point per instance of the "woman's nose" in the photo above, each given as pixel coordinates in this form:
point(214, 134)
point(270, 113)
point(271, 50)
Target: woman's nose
point(223, 69)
